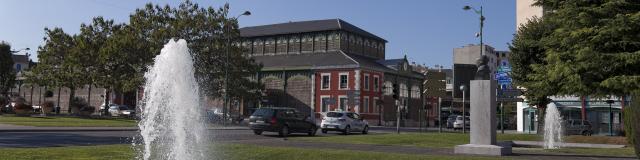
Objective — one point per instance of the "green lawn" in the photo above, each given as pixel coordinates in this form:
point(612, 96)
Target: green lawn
point(226, 151)
point(449, 140)
point(66, 122)
point(628, 151)
point(106, 152)
point(433, 140)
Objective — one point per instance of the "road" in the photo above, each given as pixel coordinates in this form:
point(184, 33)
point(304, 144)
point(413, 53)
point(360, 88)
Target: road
point(243, 136)
point(62, 138)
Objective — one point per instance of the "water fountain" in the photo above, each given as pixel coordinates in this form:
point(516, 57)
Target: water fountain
point(172, 126)
point(552, 127)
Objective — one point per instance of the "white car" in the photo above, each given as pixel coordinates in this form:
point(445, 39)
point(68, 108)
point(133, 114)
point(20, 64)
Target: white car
point(457, 124)
point(121, 110)
point(345, 122)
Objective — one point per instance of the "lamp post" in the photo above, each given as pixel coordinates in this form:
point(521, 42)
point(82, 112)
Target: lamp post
point(479, 12)
point(463, 88)
point(610, 117)
point(226, 70)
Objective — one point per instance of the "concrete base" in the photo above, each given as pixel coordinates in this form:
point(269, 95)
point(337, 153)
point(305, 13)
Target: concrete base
point(477, 149)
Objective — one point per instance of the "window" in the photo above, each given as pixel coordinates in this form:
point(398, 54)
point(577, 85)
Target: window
point(415, 92)
point(344, 81)
point(404, 91)
point(375, 105)
point(376, 83)
point(19, 67)
point(324, 103)
point(366, 82)
point(343, 103)
point(388, 88)
point(326, 81)
point(365, 105)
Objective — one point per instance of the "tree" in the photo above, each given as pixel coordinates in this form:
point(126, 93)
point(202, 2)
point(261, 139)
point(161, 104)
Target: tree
point(528, 64)
point(7, 73)
point(206, 30)
point(107, 63)
point(59, 63)
point(591, 48)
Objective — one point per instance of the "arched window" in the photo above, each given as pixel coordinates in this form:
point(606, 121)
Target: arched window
point(388, 90)
point(415, 92)
point(404, 91)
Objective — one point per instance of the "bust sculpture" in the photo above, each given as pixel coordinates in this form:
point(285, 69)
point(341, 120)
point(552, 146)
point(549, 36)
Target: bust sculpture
point(483, 72)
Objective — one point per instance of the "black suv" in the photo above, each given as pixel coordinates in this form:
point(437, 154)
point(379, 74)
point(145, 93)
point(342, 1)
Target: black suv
point(281, 120)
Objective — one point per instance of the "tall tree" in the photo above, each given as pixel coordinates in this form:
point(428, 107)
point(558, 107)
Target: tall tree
point(59, 65)
point(7, 73)
point(528, 64)
point(206, 31)
point(91, 40)
point(589, 48)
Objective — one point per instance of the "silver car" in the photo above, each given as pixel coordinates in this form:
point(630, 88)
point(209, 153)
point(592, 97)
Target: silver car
point(121, 110)
point(345, 122)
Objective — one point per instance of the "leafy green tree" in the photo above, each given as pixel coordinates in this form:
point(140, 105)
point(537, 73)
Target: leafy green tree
point(58, 63)
point(7, 73)
point(206, 30)
point(528, 64)
point(589, 48)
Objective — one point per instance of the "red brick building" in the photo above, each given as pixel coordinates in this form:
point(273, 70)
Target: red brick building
point(324, 65)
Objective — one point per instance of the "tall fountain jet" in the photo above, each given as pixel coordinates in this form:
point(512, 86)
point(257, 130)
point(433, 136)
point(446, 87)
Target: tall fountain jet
point(172, 126)
point(552, 127)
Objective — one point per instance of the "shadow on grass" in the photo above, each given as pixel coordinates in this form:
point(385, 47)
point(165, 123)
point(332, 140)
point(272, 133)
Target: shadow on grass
point(51, 139)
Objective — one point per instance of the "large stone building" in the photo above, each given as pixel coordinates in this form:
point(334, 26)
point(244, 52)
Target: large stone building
point(323, 65)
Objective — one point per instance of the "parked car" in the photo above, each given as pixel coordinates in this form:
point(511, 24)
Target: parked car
point(458, 123)
point(345, 122)
point(450, 120)
point(110, 105)
point(281, 120)
point(578, 127)
point(121, 110)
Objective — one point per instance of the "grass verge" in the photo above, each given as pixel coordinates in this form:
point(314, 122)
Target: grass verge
point(226, 151)
point(66, 122)
point(432, 140)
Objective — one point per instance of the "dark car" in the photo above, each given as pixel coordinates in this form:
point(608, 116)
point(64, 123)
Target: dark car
point(281, 120)
point(578, 127)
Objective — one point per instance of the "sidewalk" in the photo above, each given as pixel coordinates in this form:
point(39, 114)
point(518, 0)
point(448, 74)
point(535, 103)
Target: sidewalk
point(17, 128)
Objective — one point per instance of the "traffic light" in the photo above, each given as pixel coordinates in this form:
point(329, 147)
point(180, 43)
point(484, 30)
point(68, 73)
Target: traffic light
point(395, 91)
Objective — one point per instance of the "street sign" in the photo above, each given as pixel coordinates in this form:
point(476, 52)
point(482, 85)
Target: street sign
point(505, 93)
point(510, 100)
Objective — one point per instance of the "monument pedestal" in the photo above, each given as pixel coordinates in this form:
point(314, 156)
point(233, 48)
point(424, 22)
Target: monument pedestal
point(483, 121)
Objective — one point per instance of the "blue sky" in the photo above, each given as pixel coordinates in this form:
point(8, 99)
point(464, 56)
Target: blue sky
point(425, 30)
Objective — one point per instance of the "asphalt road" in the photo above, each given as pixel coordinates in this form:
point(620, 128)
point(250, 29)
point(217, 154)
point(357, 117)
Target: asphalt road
point(53, 139)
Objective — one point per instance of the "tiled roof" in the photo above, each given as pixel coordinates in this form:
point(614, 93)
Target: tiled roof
point(332, 59)
point(304, 26)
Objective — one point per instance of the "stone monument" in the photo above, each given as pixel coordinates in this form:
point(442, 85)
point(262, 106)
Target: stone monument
point(483, 115)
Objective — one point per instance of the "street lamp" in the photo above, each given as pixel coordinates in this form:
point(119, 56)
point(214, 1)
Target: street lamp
point(479, 12)
point(463, 88)
point(610, 117)
point(226, 70)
